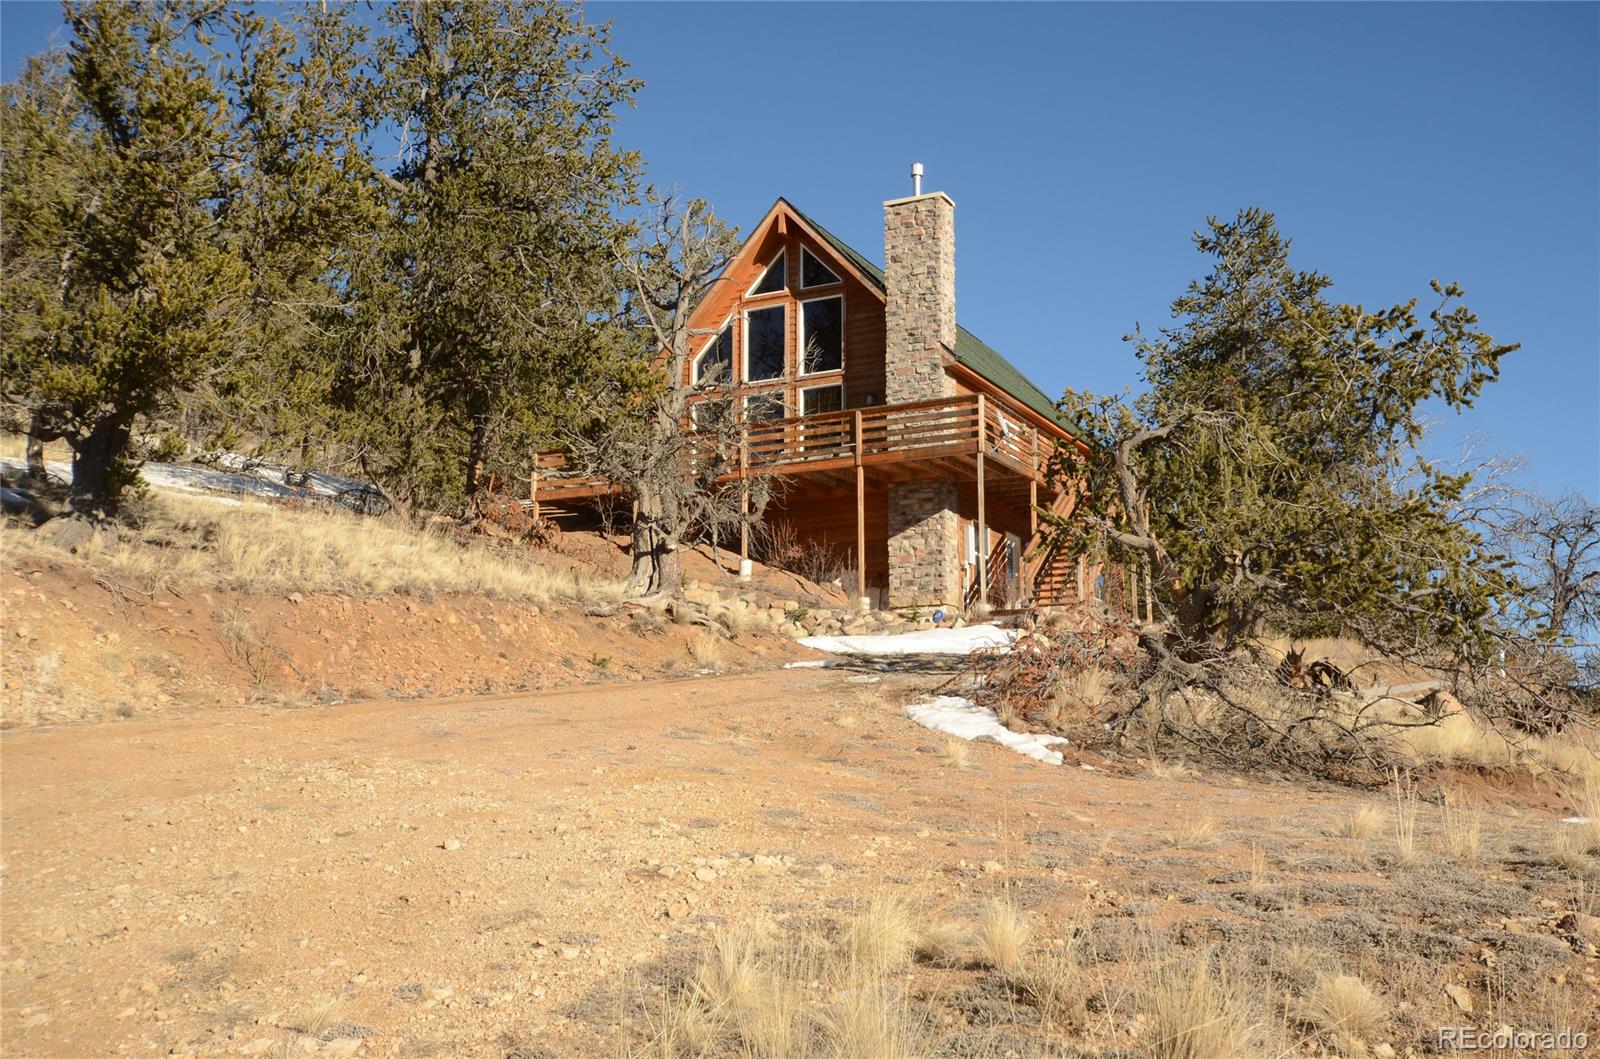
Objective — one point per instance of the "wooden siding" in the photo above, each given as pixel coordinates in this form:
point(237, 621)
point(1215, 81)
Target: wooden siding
point(828, 516)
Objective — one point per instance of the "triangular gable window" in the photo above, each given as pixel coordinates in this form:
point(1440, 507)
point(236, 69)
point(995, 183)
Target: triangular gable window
point(714, 365)
point(814, 273)
point(775, 278)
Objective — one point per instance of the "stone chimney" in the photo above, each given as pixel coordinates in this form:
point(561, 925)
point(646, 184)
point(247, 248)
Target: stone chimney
point(919, 252)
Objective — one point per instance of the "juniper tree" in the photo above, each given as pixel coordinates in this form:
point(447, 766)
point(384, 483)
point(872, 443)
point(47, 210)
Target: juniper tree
point(120, 285)
point(473, 305)
point(1270, 475)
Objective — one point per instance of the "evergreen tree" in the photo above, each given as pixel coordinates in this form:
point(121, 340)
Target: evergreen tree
point(479, 304)
point(121, 288)
point(1270, 475)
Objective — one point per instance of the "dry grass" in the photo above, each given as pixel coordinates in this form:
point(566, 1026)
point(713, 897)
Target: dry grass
point(1054, 982)
point(1006, 713)
point(1587, 833)
point(1362, 825)
point(1079, 695)
point(1002, 936)
point(1193, 1013)
point(944, 942)
point(1405, 818)
point(881, 940)
point(759, 994)
point(707, 650)
point(1258, 868)
point(736, 616)
point(1196, 834)
point(244, 646)
point(1570, 851)
point(955, 753)
point(1462, 831)
point(1345, 1009)
point(204, 541)
point(870, 1021)
point(1459, 738)
point(1169, 770)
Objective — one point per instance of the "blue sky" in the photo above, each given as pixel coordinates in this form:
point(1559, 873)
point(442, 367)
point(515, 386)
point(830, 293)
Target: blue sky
point(1083, 144)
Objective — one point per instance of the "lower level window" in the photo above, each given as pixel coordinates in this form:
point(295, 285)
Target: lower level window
point(764, 407)
point(819, 399)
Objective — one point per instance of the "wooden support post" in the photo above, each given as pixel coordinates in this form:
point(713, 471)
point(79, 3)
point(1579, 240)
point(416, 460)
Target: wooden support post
point(1033, 531)
point(861, 515)
point(1081, 564)
point(983, 522)
point(744, 509)
point(533, 488)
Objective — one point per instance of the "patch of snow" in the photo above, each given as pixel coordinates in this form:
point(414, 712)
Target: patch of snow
point(60, 470)
point(921, 642)
point(1574, 819)
point(241, 476)
point(965, 719)
point(810, 663)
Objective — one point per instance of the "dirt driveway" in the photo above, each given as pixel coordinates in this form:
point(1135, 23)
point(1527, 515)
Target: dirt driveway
point(478, 876)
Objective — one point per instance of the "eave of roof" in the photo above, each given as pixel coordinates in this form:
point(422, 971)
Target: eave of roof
point(970, 350)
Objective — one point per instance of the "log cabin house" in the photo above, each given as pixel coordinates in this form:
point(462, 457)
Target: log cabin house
point(905, 444)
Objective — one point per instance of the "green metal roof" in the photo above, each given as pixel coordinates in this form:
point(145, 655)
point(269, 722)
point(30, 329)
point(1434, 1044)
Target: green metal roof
point(971, 351)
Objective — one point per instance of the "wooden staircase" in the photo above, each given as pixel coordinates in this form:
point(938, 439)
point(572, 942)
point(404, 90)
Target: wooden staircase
point(1052, 572)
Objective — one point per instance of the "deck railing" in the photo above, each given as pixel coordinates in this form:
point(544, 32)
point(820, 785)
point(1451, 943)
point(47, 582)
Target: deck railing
point(946, 426)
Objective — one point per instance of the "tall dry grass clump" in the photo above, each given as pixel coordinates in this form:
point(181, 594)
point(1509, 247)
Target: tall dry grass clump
point(955, 753)
point(870, 1021)
point(1079, 694)
point(260, 547)
point(881, 940)
point(1345, 1009)
point(1054, 982)
point(1193, 1012)
point(1002, 936)
point(1405, 818)
point(944, 942)
point(707, 650)
point(1462, 831)
point(759, 993)
point(1362, 825)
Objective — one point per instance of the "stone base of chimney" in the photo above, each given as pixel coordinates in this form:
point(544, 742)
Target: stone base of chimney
point(924, 545)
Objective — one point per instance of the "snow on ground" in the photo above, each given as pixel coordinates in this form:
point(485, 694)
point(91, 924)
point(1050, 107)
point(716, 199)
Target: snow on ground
point(1574, 819)
point(810, 663)
point(237, 475)
point(965, 719)
point(922, 642)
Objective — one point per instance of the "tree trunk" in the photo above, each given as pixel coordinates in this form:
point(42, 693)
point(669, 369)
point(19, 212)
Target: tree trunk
point(477, 449)
point(36, 469)
point(96, 493)
point(39, 432)
point(656, 566)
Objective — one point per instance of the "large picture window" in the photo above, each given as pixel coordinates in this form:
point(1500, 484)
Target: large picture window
point(715, 362)
point(764, 343)
point(821, 335)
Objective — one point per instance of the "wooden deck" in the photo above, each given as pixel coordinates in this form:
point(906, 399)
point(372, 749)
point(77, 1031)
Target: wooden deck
point(966, 438)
